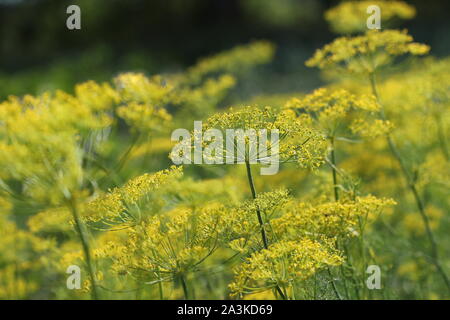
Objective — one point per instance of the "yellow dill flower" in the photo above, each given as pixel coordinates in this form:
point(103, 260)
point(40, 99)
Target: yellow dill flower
point(371, 129)
point(96, 96)
point(116, 206)
point(324, 98)
point(281, 264)
point(235, 60)
point(68, 258)
point(137, 88)
point(51, 220)
point(109, 244)
point(351, 16)
point(41, 142)
point(366, 53)
point(298, 141)
point(165, 246)
point(137, 188)
point(330, 219)
point(144, 118)
point(331, 109)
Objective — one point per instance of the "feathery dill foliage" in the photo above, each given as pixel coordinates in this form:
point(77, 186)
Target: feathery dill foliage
point(85, 179)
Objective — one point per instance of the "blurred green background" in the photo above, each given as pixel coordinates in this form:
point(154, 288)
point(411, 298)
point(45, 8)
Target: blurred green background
point(38, 52)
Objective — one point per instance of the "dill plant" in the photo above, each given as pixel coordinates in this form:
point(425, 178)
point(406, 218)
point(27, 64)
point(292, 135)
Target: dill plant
point(365, 55)
point(72, 160)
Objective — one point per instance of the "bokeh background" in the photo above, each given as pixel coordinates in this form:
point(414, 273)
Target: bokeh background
point(38, 52)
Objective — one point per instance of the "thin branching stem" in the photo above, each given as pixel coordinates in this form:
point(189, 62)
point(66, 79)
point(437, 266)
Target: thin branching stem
point(185, 287)
point(260, 220)
point(333, 170)
point(258, 212)
point(336, 198)
point(73, 205)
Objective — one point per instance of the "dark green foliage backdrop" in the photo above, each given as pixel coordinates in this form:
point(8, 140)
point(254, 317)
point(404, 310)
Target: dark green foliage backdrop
point(37, 52)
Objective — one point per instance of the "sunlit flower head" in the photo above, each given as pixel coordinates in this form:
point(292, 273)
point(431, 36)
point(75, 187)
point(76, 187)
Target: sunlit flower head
point(296, 140)
point(366, 53)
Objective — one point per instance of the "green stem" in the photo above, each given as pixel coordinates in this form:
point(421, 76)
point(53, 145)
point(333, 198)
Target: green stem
point(336, 198)
point(280, 292)
point(185, 288)
point(333, 170)
point(260, 220)
point(161, 291)
point(335, 290)
point(363, 251)
point(85, 244)
point(412, 186)
point(258, 212)
point(127, 153)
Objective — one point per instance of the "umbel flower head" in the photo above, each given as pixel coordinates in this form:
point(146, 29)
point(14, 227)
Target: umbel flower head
point(281, 264)
point(328, 219)
point(144, 117)
point(136, 87)
point(351, 16)
point(167, 245)
point(142, 101)
point(118, 206)
point(366, 53)
point(41, 142)
point(332, 110)
point(233, 61)
point(295, 139)
point(97, 96)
